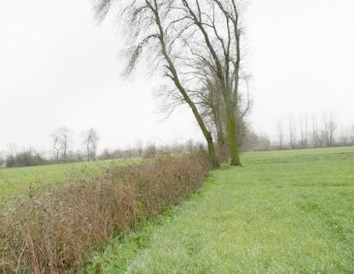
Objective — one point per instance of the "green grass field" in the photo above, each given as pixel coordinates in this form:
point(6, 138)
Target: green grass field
point(17, 180)
point(283, 212)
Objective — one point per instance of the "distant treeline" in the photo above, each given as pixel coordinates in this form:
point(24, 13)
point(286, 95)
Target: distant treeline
point(291, 134)
point(27, 157)
point(31, 157)
point(305, 132)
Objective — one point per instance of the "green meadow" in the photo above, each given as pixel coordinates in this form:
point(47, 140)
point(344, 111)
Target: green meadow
point(19, 180)
point(282, 212)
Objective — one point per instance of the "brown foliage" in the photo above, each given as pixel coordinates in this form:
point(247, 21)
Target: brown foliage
point(59, 226)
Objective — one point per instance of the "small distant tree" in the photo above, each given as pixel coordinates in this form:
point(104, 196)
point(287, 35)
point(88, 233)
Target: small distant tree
point(343, 138)
point(303, 131)
point(150, 151)
point(62, 138)
point(2, 159)
point(56, 143)
point(330, 126)
point(316, 138)
point(106, 154)
point(90, 140)
point(139, 147)
point(351, 134)
point(26, 157)
point(257, 141)
point(292, 133)
point(280, 133)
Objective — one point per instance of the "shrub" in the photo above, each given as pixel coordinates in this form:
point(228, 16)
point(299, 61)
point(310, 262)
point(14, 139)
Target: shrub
point(57, 227)
point(28, 157)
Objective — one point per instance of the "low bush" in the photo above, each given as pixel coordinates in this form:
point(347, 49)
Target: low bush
point(58, 227)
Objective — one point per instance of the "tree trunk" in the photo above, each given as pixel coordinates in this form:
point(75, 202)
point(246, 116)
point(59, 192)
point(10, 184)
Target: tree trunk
point(211, 151)
point(232, 136)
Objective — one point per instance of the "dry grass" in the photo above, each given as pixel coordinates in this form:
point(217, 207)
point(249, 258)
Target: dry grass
point(57, 227)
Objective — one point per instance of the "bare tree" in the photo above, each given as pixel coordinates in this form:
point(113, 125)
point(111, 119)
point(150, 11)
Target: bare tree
point(157, 24)
point(280, 133)
point(198, 42)
point(2, 158)
point(90, 140)
point(330, 126)
point(218, 23)
point(351, 134)
point(316, 138)
point(343, 138)
point(62, 138)
point(292, 132)
point(303, 131)
point(55, 136)
point(330, 134)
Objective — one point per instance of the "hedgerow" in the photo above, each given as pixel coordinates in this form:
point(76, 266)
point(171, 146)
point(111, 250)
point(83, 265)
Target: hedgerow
point(57, 227)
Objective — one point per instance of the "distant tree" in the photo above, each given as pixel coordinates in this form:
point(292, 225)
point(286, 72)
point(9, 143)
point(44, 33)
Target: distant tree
point(55, 136)
point(292, 132)
point(62, 138)
point(150, 151)
point(26, 157)
point(351, 134)
point(10, 160)
point(315, 136)
point(78, 155)
point(2, 158)
point(280, 133)
point(330, 126)
point(303, 131)
point(106, 154)
point(139, 147)
point(344, 137)
point(256, 142)
point(90, 139)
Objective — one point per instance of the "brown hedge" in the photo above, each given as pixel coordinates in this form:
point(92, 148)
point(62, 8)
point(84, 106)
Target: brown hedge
point(58, 227)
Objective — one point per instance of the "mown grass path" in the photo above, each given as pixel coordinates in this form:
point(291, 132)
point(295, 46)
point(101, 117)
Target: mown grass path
point(283, 212)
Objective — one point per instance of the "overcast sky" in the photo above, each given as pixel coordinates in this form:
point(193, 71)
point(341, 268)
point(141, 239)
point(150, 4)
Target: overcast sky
point(58, 67)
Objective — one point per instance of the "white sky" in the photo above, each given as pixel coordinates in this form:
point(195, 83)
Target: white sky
point(58, 67)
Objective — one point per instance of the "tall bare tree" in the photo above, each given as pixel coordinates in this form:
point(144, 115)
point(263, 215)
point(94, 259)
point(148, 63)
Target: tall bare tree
point(62, 138)
point(351, 134)
point(90, 139)
point(198, 42)
point(292, 132)
point(218, 24)
point(316, 138)
point(330, 126)
point(2, 158)
point(343, 138)
point(280, 133)
point(55, 136)
point(303, 131)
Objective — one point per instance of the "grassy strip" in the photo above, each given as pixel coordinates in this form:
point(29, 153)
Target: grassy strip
point(59, 226)
point(116, 255)
point(284, 213)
